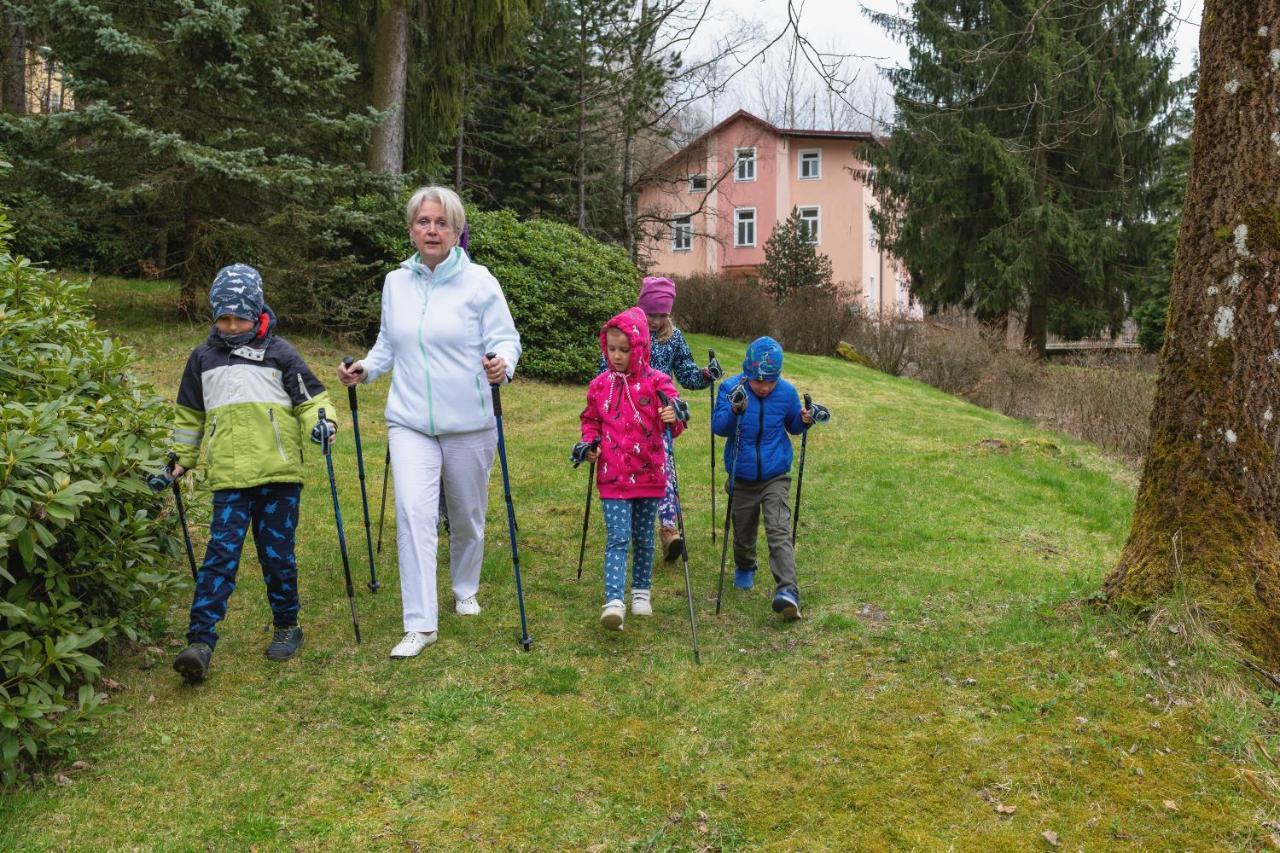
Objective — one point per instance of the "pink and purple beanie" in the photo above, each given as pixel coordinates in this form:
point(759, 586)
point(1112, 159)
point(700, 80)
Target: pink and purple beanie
point(657, 295)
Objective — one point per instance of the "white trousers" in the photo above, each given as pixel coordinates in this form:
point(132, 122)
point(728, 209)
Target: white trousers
point(420, 463)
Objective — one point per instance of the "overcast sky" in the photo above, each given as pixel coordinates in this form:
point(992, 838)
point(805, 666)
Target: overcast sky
point(841, 26)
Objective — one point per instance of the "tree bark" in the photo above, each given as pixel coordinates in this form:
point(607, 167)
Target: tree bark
point(15, 66)
point(390, 73)
point(580, 169)
point(189, 292)
point(1209, 501)
point(460, 143)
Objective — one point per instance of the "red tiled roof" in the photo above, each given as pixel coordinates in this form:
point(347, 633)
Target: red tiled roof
point(854, 135)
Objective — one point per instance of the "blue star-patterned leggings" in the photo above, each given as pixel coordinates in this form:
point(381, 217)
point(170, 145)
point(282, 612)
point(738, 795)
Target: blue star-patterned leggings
point(273, 511)
point(629, 522)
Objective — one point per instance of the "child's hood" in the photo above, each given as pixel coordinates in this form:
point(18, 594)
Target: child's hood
point(635, 325)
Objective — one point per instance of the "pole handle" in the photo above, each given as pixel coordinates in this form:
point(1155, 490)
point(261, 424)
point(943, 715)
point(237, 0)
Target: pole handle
point(324, 431)
point(351, 389)
point(493, 387)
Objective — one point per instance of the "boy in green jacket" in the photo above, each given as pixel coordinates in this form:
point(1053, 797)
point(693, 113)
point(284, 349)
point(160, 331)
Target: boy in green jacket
point(256, 399)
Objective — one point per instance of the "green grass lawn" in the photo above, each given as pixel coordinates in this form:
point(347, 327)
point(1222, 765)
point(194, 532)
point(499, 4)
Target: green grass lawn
point(949, 686)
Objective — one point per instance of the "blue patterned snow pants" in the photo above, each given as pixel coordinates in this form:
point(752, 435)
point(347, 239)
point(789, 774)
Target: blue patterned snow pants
point(273, 511)
point(628, 522)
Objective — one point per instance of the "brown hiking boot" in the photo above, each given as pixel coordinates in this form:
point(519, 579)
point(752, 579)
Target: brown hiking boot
point(671, 543)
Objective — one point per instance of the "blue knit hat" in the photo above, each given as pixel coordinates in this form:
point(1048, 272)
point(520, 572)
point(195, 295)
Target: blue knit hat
point(764, 360)
point(237, 290)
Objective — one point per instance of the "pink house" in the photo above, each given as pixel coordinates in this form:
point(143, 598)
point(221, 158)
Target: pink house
point(718, 199)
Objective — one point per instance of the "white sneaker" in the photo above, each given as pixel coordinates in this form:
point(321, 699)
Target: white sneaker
point(412, 644)
point(467, 606)
point(640, 602)
point(613, 614)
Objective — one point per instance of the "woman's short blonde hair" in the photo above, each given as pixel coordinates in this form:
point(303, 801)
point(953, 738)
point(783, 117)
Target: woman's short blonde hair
point(443, 196)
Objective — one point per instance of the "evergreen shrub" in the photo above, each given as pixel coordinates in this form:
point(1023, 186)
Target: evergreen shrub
point(86, 549)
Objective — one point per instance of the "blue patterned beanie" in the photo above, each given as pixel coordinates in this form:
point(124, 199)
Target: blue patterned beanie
point(764, 360)
point(237, 290)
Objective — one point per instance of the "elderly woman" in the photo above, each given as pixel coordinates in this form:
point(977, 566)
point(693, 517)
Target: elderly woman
point(441, 314)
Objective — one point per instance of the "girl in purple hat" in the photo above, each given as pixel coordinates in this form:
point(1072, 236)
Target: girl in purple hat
point(670, 353)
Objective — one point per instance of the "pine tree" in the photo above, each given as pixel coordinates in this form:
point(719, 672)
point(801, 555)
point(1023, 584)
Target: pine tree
point(1157, 239)
point(197, 125)
point(421, 52)
point(1027, 138)
point(791, 263)
point(1208, 508)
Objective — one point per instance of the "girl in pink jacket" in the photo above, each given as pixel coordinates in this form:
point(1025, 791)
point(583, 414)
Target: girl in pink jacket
point(625, 413)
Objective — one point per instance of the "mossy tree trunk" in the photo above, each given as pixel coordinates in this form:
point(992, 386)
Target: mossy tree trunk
point(1209, 502)
point(390, 76)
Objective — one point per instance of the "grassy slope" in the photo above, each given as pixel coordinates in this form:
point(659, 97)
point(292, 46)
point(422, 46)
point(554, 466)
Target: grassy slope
point(946, 664)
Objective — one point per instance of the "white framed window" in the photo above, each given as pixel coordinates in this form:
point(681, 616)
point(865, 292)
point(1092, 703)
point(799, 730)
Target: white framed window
point(682, 233)
point(697, 183)
point(744, 226)
point(811, 220)
point(746, 168)
point(810, 165)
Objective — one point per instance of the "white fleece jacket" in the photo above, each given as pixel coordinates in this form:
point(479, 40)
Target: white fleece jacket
point(436, 328)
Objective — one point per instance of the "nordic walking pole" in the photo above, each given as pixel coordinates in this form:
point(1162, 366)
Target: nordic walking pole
point(586, 513)
point(684, 545)
point(382, 508)
point(158, 483)
point(337, 516)
point(711, 395)
point(374, 586)
point(804, 442)
point(526, 642)
point(728, 510)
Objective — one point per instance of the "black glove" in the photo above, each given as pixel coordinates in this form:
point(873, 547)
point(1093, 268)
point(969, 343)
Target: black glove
point(682, 410)
point(738, 400)
point(317, 431)
point(713, 371)
point(820, 413)
point(580, 450)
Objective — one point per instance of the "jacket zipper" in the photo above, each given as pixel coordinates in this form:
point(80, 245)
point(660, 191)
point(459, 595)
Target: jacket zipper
point(213, 431)
point(426, 363)
point(271, 416)
point(759, 438)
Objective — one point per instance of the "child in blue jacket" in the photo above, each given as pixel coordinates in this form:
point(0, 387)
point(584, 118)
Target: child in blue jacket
point(756, 410)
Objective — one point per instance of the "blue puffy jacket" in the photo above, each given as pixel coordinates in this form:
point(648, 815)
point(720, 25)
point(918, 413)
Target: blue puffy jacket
point(766, 447)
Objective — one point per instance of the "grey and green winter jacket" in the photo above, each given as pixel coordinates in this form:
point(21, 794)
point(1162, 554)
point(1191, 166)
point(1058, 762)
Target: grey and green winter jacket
point(252, 406)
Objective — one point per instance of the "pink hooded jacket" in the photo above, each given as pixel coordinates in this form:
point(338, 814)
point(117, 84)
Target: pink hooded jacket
point(622, 411)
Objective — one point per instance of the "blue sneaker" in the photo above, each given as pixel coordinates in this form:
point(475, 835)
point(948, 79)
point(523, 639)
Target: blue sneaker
point(744, 578)
point(786, 602)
